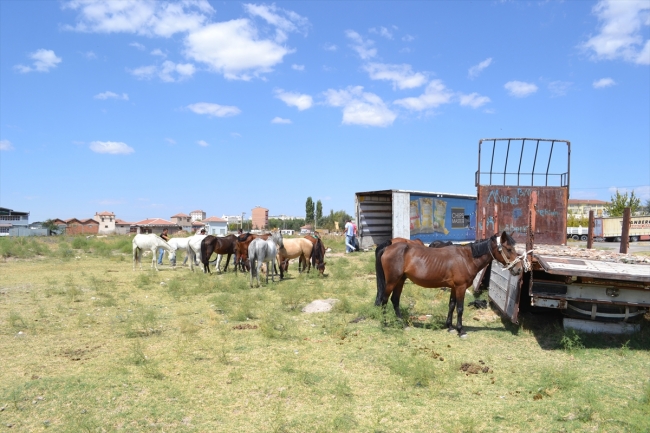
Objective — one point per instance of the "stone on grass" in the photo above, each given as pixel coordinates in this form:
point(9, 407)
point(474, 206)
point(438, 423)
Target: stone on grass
point(320, 306)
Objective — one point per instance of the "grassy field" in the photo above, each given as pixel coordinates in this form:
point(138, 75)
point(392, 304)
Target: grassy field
point(88, 345)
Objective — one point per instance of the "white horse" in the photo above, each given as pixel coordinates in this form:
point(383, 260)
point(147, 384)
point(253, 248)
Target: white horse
point(264, 251)
point(148, 242)
point(180, 244)
point(194, 249)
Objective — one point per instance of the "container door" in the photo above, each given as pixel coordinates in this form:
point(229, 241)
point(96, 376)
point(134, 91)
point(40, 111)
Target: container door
point(504, 291)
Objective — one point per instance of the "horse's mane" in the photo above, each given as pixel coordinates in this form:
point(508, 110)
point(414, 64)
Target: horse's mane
point(243, 237)
point(482, 247)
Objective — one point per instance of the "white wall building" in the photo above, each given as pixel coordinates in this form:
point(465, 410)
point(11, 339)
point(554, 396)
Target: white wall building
point(216, 226)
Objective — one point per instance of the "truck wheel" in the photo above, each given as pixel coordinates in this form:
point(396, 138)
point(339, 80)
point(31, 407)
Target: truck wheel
point(575, 237)
point(583, 237)
point(634, 239)
point(617, 239)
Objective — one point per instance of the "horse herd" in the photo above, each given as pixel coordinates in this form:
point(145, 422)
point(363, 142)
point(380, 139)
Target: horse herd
point(436, 266)
point(249, 251)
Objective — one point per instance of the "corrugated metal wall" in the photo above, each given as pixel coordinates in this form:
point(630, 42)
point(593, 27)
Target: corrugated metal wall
point(375, 216)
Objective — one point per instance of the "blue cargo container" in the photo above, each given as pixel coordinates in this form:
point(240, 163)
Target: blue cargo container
point(428, 216)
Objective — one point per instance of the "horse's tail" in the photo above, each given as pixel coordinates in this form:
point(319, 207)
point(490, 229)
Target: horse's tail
point(379, 269)
point(204, 254)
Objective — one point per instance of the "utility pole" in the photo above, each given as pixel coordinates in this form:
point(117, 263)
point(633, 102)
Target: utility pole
point(242, 221)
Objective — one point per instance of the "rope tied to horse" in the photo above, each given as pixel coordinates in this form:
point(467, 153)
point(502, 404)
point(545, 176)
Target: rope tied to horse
point(522, 258)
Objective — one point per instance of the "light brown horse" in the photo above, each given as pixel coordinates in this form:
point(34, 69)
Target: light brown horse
point(294, 248)
point(453, 267)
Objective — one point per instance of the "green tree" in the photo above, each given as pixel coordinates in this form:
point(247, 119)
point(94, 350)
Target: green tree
point(49, 224)
point(620, 201)
point(309, 211)
point(319, 212)
point(646, 208)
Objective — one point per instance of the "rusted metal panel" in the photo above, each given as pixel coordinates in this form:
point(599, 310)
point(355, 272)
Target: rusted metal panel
point(401, 226)
point(549, 303)
point(506, 208)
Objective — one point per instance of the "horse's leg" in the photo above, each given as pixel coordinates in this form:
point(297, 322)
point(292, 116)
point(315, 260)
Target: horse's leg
point(460, 306)
point(154, 263)
point(397, 293)
point(452, 305)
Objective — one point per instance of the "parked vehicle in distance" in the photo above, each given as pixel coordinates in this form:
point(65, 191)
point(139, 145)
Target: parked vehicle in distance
point(609, 229)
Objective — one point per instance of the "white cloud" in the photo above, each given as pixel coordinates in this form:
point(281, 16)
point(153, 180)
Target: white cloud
point(363, 47)
point(559, 88)
point(435, 94)
point(168, 72)
point(90, 55)
point(203, 143)
point(382, 31)
point(234, 49)
point(621, 33)
point(137, 45)
point(359, 107)
point(520, 89)
point(330, 47)
point(401, 75)
point(44, 60)
point(298, 67)
point(290, 22)
point(111, 147)
point(111, 95)
point(280, 120)
point(6, 145)
point(183, 71)
point(158, 52)
point(170, 141)
point(143, 17)
point(214, 110)
point(298, 100)
point(603, 82)
point(475, 70)
point(473, 100)
point(408, 38)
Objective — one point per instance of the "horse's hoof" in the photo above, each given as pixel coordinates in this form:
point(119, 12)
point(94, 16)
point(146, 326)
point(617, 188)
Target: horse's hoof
point(451, 330)
point(463, 335)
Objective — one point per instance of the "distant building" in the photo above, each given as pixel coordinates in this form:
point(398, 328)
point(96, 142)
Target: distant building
point(283, 217)
point(216, 226)
point(260, 217)
point(87, 226)
point(155, 225)
point(581, 207)
point(183, 220)
point(106, 221)
point(197, 215)
point(306, 229)
point(10, 218)
point(232, 219)
point(122, 227)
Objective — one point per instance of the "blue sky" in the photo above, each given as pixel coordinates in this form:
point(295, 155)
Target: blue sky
point(152, 108)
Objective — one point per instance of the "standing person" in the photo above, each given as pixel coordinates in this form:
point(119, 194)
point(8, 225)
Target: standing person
point(355, 242)
point(349, 237)
point(165, 236)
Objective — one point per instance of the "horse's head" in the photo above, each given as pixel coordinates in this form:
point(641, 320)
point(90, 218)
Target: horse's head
point(321, 268)
point(277, 238)
point(505, 253)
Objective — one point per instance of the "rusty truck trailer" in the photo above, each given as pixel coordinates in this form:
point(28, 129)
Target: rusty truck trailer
point(523, 189)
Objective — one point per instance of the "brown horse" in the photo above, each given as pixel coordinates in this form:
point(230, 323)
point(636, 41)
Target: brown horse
point(294, 248)
point(317, 258)
point(243, 241)
point(408, 241)
point(218, 245)
point(453, 267)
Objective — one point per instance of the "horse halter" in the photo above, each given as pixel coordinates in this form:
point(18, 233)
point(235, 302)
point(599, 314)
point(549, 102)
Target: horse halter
point(522, 258)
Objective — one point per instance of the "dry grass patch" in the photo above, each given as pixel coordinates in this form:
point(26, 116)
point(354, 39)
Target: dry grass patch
point(90, 345)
